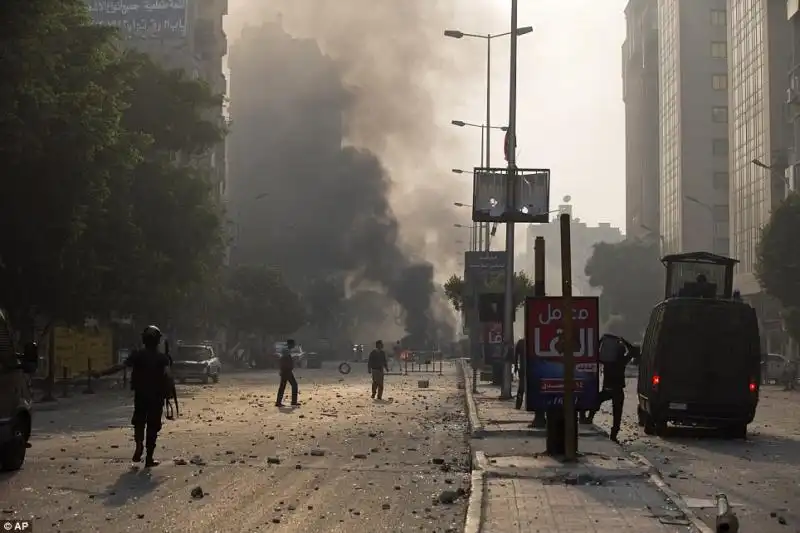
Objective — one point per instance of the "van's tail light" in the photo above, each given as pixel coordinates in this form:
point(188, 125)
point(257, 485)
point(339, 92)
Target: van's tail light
point(656, 381)
point(753, 386)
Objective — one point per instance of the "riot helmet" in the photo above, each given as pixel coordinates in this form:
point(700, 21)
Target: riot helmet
point(151, 336)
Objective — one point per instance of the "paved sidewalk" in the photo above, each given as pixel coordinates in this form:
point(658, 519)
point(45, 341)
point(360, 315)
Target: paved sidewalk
point(527, 491)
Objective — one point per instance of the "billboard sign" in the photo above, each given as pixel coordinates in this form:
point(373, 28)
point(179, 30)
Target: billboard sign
point(492, 343)
point(149, 19)
point(544, 326)
point(484, 272)
point(531, 195)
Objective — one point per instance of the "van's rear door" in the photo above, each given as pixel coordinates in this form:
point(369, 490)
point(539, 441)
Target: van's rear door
point(710, 361)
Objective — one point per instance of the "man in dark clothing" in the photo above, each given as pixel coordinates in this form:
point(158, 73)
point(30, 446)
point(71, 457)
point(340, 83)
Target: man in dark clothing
point(377, 365)
point(615, 356)
point(286, 366)
point(151, 382)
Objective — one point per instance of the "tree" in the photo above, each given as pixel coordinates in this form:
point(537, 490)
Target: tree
point(778, 261)
point(632, 280)
point(456, 290)
point(260, 302)
point(62, 95)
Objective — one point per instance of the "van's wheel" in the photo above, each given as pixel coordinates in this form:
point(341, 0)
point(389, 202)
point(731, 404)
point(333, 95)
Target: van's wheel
point(736, 431)
point(654, 426)
point(12, 453)
point(641, 416)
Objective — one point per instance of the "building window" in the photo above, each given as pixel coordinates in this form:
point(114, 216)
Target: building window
point(719, 49)
point(720, 82)
point(719, 18)
point(719, 114)
point(720, 147)
point(721, 181)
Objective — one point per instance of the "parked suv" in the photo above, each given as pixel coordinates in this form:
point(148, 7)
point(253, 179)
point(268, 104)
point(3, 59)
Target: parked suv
point(15, 397)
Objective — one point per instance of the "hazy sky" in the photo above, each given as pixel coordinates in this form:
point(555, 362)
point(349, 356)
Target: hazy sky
point(570, 110)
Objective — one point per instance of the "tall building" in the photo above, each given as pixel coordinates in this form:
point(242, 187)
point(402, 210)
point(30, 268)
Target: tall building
point(693, 119)
point(793, 93)
point(760, 50)
point(184, 34)
point(640, 94)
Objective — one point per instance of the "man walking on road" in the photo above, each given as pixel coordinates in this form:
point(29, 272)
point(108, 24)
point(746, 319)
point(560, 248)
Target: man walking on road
point(377, 365)
point(286, 366)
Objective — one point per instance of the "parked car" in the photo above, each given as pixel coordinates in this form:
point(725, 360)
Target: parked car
point(15, 397)
point(773, 367)
point(195, 362)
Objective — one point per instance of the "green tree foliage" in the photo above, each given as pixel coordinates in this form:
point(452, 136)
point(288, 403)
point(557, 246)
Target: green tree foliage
point(778, 264)
point(106, 206)
point(632, 280)
point(456, 291)
point(62, 95)
point(259, 301)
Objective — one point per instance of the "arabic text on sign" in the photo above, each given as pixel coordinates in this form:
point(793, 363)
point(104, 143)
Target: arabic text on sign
point(586, 341)
point(554, 315)
point(125, 7)
point(557, 385)
point(148, 26)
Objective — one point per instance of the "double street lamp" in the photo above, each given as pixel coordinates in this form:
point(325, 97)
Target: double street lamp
point(487, 126)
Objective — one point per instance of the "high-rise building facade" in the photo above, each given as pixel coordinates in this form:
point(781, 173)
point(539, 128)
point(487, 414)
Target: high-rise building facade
point(640, 94)
point(760, 134)
point(693, 121)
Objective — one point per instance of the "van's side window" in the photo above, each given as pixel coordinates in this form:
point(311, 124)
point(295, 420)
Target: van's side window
point(7, 355)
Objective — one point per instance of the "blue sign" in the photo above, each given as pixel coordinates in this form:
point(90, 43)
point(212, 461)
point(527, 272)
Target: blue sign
point(154, 19)
point(544, 343)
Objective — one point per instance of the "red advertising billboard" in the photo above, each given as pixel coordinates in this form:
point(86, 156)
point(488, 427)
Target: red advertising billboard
point(544, 337)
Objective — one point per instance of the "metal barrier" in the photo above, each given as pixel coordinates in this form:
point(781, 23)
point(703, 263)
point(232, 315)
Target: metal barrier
point(727, 522)
point(423, 362)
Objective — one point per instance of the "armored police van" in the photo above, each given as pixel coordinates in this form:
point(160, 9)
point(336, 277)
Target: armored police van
point(15, 397)
point(700, 363)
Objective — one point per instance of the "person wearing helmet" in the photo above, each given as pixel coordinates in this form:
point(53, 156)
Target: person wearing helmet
point(150, 382)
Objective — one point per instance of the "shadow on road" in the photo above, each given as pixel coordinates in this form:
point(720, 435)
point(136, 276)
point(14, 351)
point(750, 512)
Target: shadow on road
point(130, 485)
point(759, 446)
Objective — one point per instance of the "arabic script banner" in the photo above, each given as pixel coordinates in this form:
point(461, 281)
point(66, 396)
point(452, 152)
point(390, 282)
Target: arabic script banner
point(544, 341)
point(156, 19)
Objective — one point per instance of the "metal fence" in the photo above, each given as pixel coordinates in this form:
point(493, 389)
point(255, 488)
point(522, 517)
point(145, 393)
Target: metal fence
point(418, 362)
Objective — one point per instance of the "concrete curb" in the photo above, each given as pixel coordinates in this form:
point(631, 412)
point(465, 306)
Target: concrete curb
point(657, 479)
point(475, 425)
point(474, 519)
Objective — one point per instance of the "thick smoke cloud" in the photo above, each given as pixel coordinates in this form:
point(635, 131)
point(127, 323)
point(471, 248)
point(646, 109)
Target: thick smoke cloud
point(331, 108)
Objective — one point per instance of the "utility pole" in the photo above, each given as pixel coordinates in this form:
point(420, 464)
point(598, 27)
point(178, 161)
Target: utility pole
point(486, 237)
point(508, 319)
point(570, 420)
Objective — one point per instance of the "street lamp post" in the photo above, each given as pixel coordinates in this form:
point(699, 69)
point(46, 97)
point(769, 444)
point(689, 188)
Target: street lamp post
point(472, 233)
point(514, 33)
point(508, 318)
point(475, 234)
point(713, 220)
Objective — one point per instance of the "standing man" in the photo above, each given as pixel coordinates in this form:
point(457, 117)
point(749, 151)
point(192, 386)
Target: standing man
point(151, 382)
point(286, 368)
point(377, 365)
point(615, 354)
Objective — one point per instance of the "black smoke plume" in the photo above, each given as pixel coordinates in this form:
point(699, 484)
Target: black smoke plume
point(329, 101)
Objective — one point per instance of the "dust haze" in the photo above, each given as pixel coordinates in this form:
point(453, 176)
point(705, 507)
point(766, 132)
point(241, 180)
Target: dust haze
point(339, 158)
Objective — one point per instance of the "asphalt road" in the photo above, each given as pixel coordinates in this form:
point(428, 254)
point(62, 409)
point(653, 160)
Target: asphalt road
point(760, 476)
point(341, 462)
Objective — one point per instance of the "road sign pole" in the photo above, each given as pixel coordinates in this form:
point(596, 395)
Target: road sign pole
point(538, 290)
point(570, 420)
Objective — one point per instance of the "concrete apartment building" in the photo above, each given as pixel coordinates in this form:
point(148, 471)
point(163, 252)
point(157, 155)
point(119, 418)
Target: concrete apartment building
point(185, 34)
point(583, 236)
point(793, 93)
point(693, 119)
point(640, 95)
